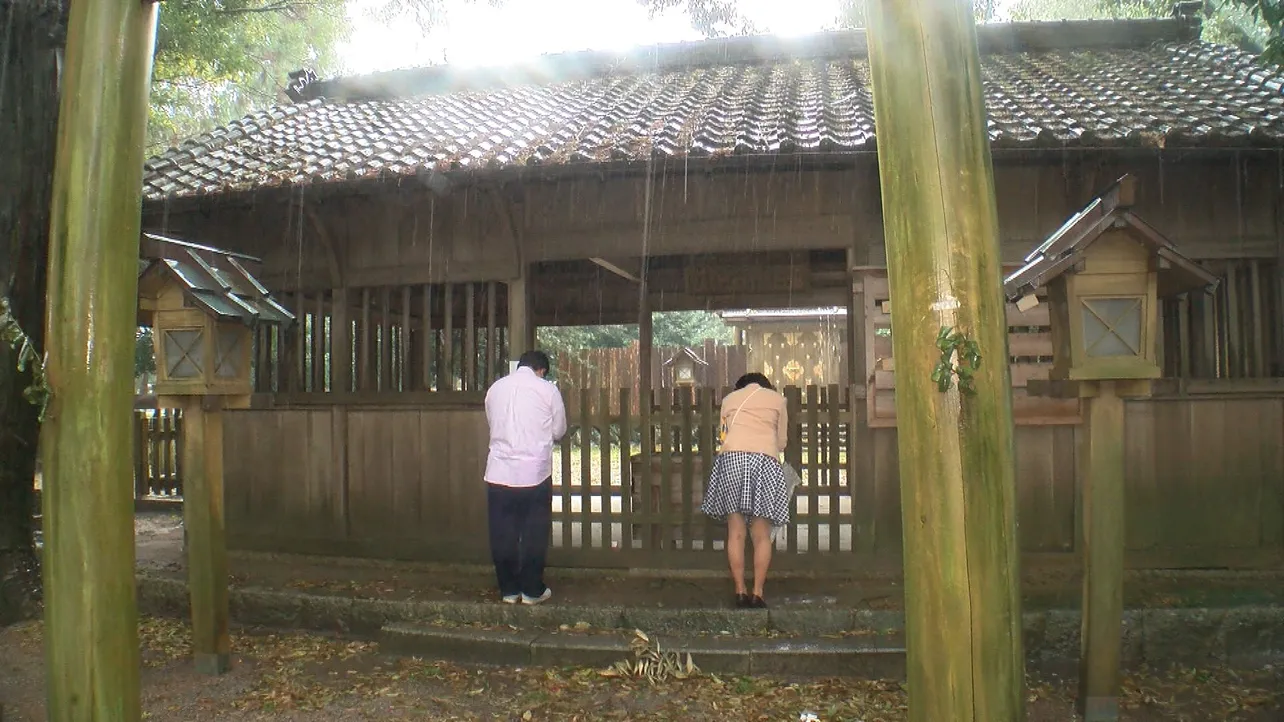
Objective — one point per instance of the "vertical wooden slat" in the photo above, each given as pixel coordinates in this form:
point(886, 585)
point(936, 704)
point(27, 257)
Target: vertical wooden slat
point(688, 468)
point(835, 438)
point(586, 469)
point(567, 479)
point(1183, 336)
point(1258, 321)
point(447, 373)
point(708, 426)
point(404, 379)
point(262, 359)
point(794, 455)
point(813, 460)
point(164, 454)
point(470, 337)
point(861, 483)
point(364, 382)
point(492, 340)
point(665, 504)
point(319, 345)
point(604, 429)
point(176, 439)
point(626, 469)
point(1234, 337)
point(642, 486)
point(385, 339)
point(300, 344)
point(140, 454)
point(340, 342)
point(426, 336)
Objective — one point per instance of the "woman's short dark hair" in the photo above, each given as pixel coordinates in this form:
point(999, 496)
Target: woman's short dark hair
point(754, 378)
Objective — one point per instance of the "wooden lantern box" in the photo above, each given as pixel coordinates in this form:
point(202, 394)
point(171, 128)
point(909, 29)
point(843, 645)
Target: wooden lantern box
point(1105, 270)
point(203, 305)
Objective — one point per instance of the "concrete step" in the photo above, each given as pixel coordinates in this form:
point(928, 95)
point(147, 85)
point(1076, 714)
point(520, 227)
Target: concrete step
point(866, 657)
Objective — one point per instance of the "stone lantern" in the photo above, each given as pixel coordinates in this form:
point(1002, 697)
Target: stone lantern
point(1104, 272)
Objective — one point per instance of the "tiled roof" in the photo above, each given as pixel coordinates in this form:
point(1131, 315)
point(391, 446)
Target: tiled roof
point(1044, 89)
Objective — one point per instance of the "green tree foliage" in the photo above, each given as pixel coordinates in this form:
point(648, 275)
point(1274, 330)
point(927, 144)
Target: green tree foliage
point(218, 60)
point(852, 12)
point(1231, 22)
point(674, 328)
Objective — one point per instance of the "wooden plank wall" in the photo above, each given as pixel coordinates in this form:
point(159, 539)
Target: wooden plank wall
point(1205, 482)
point(369, 481)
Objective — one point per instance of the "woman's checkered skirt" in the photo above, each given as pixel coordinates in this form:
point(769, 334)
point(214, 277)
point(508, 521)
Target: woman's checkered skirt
point(746, 483)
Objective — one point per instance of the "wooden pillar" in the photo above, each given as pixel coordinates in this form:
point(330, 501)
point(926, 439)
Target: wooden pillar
point(521, 332)
point(962, 601)
point(91, 613)
point(1102, 462)
point(645, 338)
point(206, 533)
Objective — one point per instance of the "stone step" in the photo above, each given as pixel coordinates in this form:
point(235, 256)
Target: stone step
point(867, 657)
point(1245, 635)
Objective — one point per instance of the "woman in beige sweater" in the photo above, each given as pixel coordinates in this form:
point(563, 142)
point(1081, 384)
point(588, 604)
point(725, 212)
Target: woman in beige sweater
point(747, 486)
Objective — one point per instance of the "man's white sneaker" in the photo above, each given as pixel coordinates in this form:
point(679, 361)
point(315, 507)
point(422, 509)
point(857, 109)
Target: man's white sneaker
point(510, 598)
point(540, 599)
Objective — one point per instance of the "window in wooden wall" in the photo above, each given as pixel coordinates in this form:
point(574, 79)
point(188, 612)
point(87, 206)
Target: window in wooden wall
point(389, 339)
point(1235, 333)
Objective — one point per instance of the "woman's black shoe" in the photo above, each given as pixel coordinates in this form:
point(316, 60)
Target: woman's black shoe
point(757, 602)
point(742, 601)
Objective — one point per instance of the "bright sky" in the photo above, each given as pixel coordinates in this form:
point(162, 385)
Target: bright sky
point(478, 34)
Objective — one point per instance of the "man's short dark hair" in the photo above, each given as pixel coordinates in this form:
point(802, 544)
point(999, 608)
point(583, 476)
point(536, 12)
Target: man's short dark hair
point(754, 378)
point(534, 360)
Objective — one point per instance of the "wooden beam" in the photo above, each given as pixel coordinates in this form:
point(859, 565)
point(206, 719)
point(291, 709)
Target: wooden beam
point(958, 487)
point(617, 266)
point(90, 607)
point(1103, 555)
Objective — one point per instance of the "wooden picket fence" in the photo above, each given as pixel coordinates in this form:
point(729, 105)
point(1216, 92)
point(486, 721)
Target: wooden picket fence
point(158, 462)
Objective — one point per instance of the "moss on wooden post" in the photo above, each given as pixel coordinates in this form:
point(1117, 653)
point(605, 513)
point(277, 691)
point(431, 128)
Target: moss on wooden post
point(90, 609)
point(91, 615)
point(963, 616)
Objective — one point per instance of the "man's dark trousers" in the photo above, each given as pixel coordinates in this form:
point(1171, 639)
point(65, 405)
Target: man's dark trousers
point(521, 523)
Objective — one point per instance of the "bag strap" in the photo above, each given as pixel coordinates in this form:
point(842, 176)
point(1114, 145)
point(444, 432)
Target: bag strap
point(741, 408)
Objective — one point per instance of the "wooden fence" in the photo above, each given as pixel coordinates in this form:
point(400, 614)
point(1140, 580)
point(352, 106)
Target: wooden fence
point(404, 480)
point(157, 457)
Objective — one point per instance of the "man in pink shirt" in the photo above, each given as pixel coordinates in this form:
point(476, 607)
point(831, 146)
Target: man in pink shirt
point(526, 417)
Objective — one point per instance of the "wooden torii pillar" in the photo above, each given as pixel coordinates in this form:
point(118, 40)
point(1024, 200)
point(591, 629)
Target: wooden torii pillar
point(957, 475)
point(91, 613)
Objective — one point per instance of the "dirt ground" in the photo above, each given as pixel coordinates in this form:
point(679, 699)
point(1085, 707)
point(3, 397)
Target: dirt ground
point(291, 676)
point(310, 677)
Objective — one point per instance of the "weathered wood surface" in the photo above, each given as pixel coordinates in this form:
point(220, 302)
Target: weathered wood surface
point(1202, 483)
point(205, 528)
point(1104, 507)
point(962, 577)
point(91, 615)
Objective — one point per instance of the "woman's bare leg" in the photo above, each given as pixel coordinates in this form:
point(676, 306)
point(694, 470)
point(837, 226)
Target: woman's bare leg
point(761, 553)
point(736, 550)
